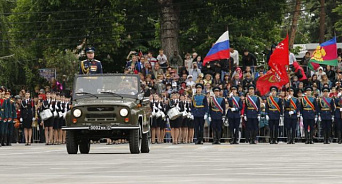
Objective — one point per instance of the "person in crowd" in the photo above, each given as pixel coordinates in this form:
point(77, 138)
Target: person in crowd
point(326, 107)
point(27, 116)
point(195, 71)
point(176, 60)
point(152, 60)
point(273, 111)
point(291, 115)
point(305, 60)
point(248, 59)
point(162, 59)
point(309, 114)
point(188, 61)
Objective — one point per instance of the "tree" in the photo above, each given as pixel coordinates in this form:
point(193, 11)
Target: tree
point(294, 23)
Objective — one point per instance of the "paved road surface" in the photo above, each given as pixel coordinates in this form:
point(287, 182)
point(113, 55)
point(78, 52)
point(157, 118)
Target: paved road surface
point(262, 163)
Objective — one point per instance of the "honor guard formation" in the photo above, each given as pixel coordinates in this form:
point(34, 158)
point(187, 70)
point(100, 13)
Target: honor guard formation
point(194, 103)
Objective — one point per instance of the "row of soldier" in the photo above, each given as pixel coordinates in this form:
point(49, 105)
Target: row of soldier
point(188, 114)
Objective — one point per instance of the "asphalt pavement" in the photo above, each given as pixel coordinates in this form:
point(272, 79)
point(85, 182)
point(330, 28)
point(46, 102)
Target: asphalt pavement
point(166, 163)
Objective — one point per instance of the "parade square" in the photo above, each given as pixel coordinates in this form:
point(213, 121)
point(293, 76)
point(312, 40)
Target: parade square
point(166, 163)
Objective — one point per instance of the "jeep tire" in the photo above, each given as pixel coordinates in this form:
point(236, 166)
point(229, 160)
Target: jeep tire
point(85, 146)
point(145, 143)
point(71, 142)
point(135, 141)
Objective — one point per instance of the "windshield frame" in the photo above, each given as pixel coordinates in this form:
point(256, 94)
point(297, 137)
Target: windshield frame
point(104, 94)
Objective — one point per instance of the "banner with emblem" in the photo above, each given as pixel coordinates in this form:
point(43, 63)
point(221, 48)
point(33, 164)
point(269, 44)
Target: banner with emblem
point(277, 75)
point(325, 54)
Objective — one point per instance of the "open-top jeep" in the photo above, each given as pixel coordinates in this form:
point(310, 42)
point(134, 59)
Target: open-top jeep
point(108, 106)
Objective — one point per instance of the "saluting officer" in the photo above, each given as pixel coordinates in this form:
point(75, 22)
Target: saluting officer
point(234, 111)
point(309, 114)
point(90, 65)
point(199, 110)
point(217, 109)
point(326, 113)
point(252, 115)
point(273, 111)
point(291, 114)
point(337, 115)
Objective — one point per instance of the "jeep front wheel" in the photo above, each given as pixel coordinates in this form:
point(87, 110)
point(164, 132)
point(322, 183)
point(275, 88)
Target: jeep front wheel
point(71, 142)
point(135, 141)
point(146, 143)
point(85, 146)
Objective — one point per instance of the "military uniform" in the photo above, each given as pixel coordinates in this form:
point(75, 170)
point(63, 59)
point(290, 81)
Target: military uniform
point(273, 111)
point(27, 110)
point(234, 115)
point(326, 114)
point(252, 115)
point(90, 66)
point(217, 109)
point(337, 117)
point(3, 121)
point(11, 115)
point(291, 109)
point(309, 114)
point(199, 109)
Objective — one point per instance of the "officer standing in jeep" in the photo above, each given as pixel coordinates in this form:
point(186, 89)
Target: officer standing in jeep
point(90, 65)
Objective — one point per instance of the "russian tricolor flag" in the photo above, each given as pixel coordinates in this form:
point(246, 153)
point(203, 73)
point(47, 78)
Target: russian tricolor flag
point(220, 49)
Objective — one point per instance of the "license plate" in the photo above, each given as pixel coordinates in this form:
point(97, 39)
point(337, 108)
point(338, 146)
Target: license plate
point(100, 127)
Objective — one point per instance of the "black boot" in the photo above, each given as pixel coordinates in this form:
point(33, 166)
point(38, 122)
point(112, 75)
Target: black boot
point(253, 136)
point(288, 137)
point(339, 137)
point(232, 140)
point(218, 137)
point(214, 137)
point(307, 137)
point(325, 141)
point(328, 136)
point(293, 135)
point(2, 140)
point(9, 140)
point(236, 140)
point(311, 137)
point(271, 136)
point(247, 136)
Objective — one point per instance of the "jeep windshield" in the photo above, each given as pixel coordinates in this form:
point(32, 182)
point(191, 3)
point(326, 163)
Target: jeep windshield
point(106, 85)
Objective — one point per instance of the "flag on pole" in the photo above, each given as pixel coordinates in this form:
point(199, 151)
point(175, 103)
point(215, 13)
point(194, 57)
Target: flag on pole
point(220, 49)
point(325, 54)
point(277, 75)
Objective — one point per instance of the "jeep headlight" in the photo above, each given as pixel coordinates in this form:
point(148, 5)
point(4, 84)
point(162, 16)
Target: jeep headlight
point(123, 112)
point(77, 113)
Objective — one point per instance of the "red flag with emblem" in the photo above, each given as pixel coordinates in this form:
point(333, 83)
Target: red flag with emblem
point(277, 75)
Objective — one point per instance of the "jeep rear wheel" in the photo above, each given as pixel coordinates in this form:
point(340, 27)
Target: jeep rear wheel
point(71, 142)
point(146, 142)
point(85, 146)
point(135, 141)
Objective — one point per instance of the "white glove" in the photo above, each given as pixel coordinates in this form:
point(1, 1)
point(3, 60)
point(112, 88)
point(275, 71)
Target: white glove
point(223, 118)
point(245, 118)
point(316, 119)
point(267, 118)
point(33, 119)
point(233, 109)
point(209, 118)
point(205, 116)
point(341, 109)
point(319, 118)
point(291, 112)
point(339, 94)
point(301, 117)
point(159, 106)
point(153, 114)
point(231, 94)
point(333, 118)
point(288, 98)
point(21, 119)
point(258, 117)
point(298, 115)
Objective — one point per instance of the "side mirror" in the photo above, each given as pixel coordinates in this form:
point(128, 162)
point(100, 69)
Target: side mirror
point(141, 96)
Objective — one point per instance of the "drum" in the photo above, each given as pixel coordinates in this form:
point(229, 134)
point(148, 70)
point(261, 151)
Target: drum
point(45, 114)
point(174, 113)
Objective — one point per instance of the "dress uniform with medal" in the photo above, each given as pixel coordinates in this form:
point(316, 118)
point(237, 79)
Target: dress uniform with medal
point(309, 114)
point(199, 110)
point(337, 115)
point(326, 113)
point(233, 114)
point(274, 109)
point(217, 109)
point(90, 65)
point(291, 115)
point(252, 115)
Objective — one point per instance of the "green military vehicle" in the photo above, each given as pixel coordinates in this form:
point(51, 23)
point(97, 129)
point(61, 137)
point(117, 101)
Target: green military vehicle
point(108, 106)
